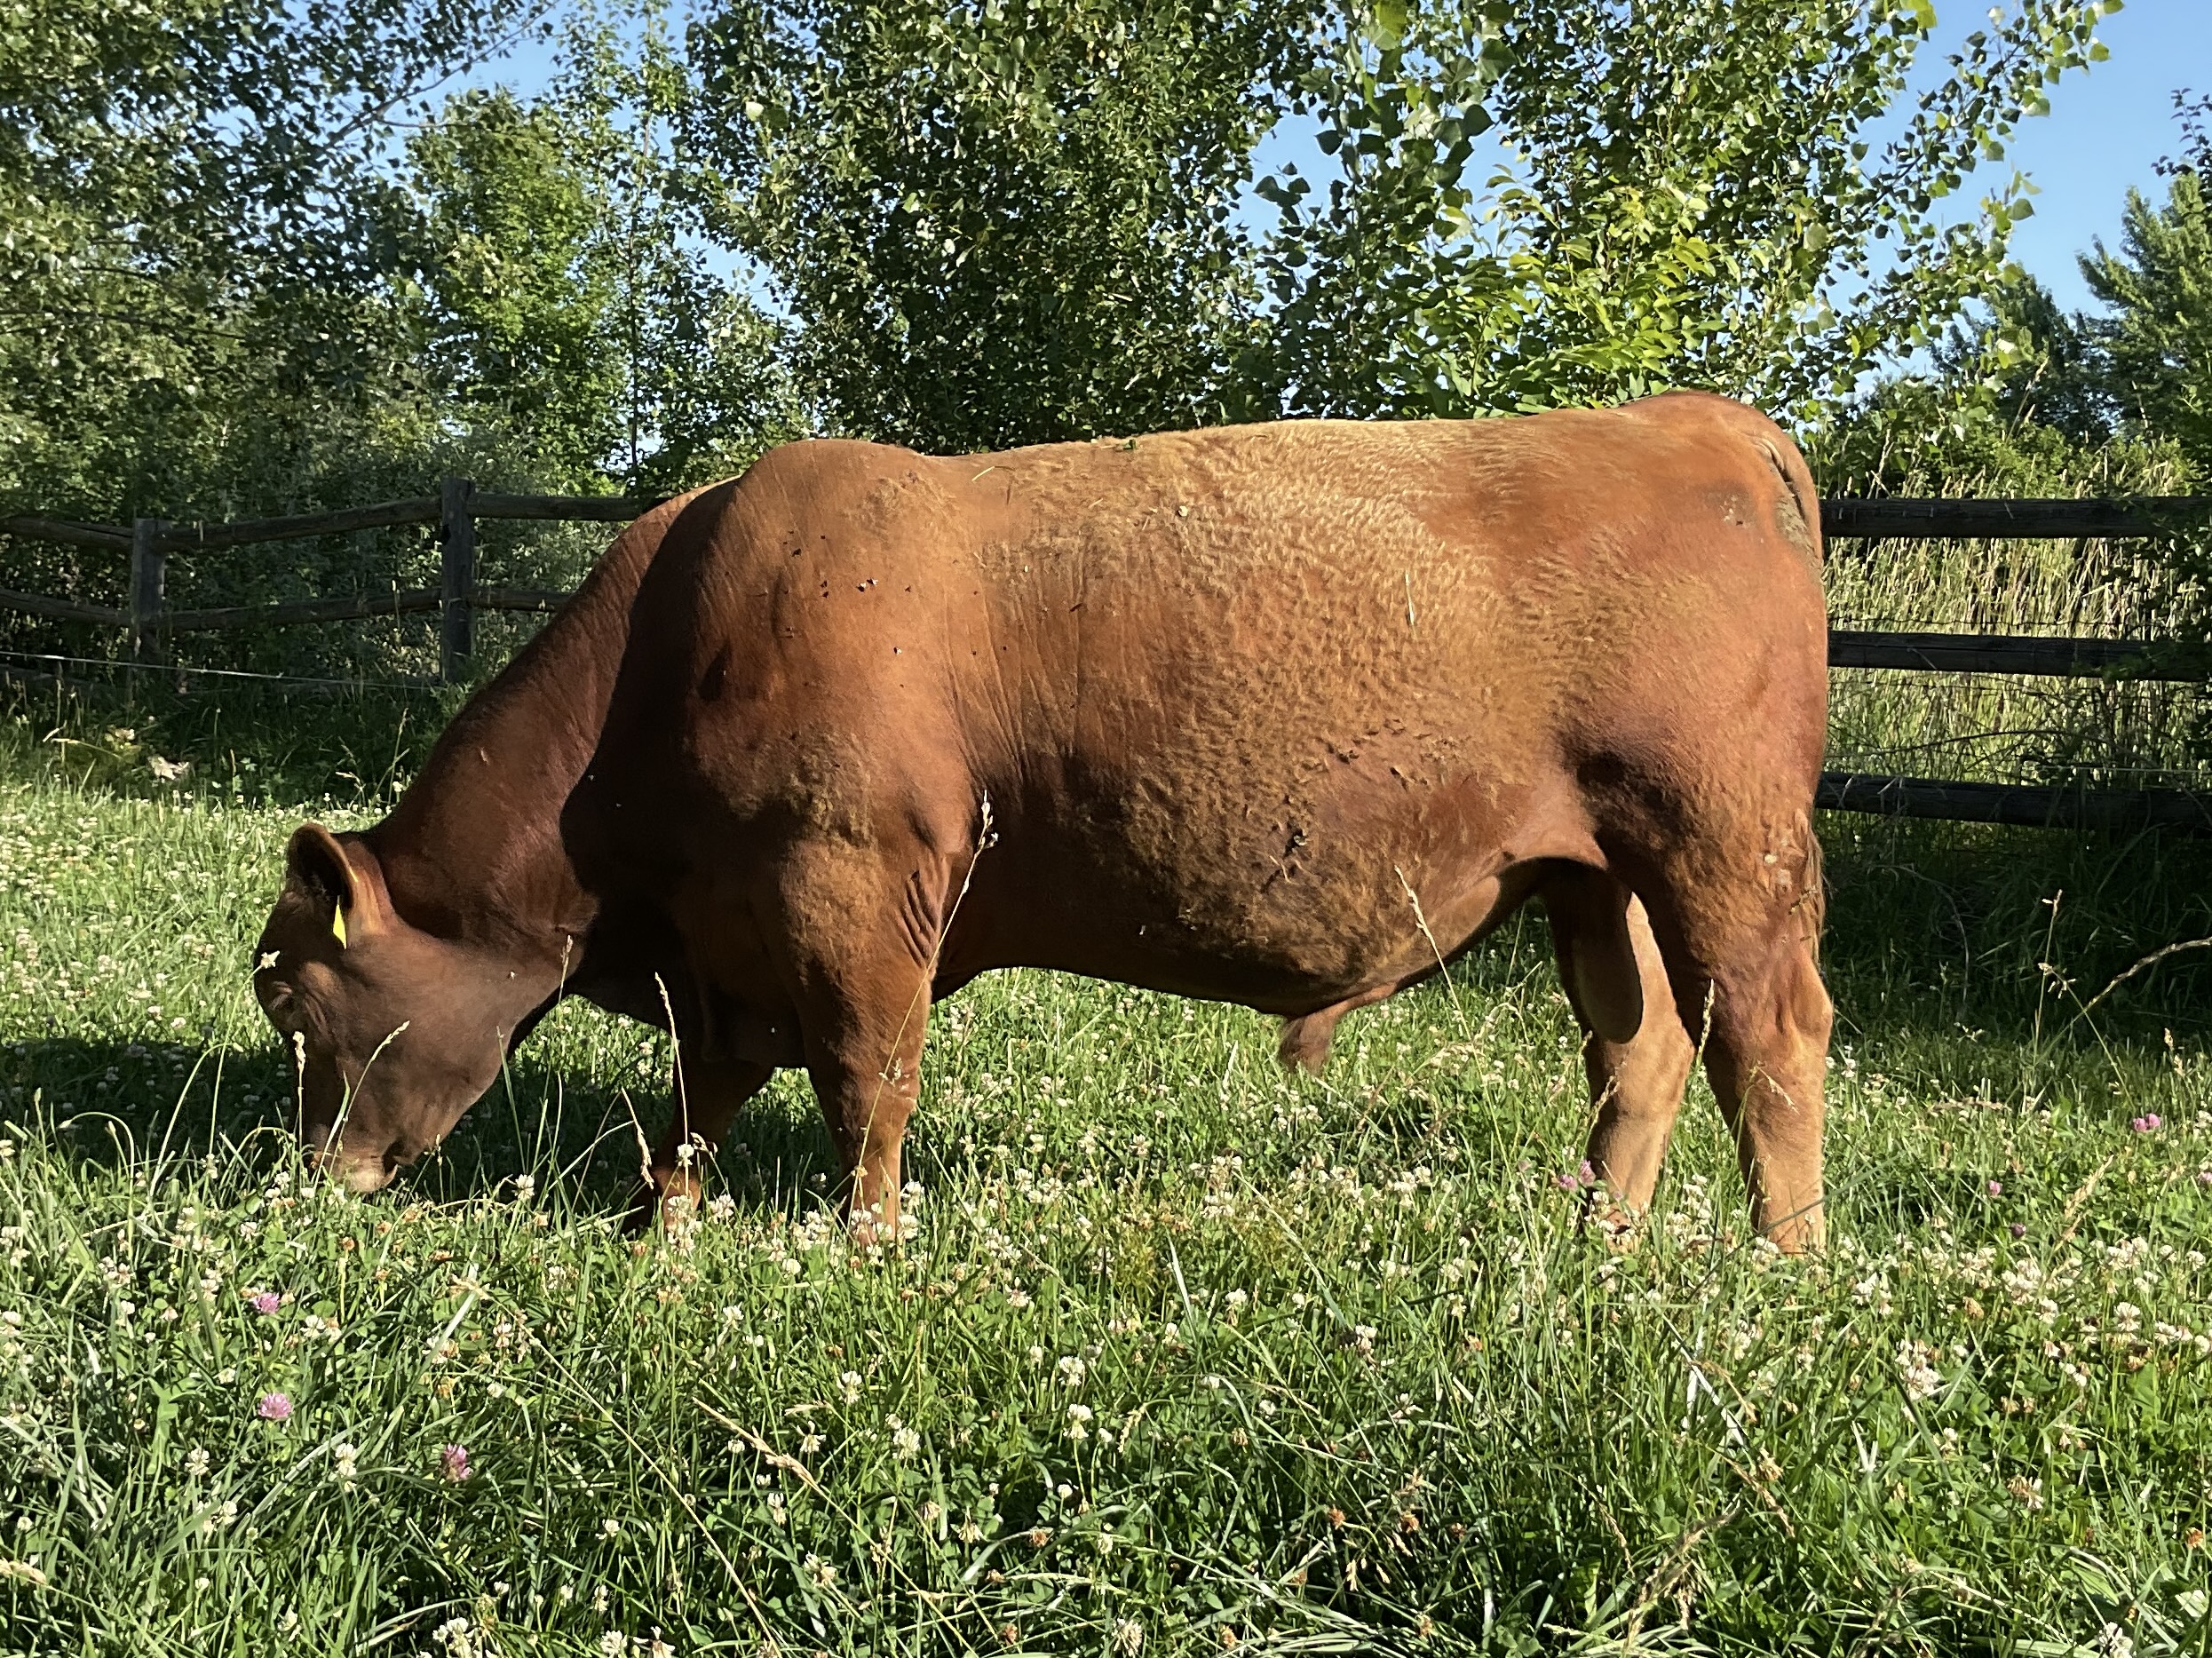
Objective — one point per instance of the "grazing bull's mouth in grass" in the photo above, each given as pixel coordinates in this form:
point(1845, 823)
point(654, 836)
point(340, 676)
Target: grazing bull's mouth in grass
point(1285, 715)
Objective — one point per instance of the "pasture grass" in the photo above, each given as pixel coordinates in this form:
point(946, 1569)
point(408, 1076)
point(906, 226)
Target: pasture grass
point(1183, 1355)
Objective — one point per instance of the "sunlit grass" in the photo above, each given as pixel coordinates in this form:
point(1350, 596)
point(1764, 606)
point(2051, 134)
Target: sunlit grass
point(1182, 1355)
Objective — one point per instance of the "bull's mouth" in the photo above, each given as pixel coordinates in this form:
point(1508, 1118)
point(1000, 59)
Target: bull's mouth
point(359, 1172)
point(363, 1175)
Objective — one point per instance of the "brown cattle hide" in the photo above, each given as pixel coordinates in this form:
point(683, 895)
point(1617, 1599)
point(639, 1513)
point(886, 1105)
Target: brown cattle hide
point(1283, 715)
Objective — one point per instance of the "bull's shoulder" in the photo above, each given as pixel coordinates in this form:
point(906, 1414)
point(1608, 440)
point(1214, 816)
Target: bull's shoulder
point(814, 471)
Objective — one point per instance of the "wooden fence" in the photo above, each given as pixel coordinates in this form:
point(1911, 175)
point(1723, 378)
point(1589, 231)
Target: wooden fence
point(455, 509)
point(151, 542)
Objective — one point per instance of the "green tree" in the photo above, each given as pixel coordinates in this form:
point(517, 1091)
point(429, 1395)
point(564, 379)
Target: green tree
point(2157, 336)
point(998, 221)
point(193, 316)
point(1679, 195)
point(2030, 362)
point(564, 300)
point(1006, 219)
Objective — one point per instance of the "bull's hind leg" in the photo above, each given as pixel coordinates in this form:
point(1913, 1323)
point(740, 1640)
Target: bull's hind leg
point(1634, 1049)
point(1767, 1056)
point(1738, 922)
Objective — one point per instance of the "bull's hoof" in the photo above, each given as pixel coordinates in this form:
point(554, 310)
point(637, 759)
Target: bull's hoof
point(1617, 1223)
point(671, 1199)
point(1304, 1043)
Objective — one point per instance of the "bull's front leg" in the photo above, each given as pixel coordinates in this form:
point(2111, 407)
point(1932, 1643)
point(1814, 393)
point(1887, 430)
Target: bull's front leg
point(708, 1094)
point(863, 1000)
point(867, 1074)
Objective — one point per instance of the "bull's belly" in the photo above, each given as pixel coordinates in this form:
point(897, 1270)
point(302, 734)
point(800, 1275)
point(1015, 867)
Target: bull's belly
point(1283, 935)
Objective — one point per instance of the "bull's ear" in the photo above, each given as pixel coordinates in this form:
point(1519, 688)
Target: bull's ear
point(344, 876)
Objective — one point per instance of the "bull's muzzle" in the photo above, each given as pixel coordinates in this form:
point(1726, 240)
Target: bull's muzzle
point(358, 1171)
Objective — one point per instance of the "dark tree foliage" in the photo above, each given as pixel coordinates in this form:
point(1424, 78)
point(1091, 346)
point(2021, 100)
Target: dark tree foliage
point(2038, 364)
point(192, 316)
point(997, 221)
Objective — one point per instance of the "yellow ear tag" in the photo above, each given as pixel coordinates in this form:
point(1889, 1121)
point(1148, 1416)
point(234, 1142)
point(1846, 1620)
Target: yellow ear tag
point(338, 923)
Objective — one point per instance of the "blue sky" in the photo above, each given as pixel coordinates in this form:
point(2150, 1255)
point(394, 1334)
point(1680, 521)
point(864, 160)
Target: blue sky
point(2105, 132)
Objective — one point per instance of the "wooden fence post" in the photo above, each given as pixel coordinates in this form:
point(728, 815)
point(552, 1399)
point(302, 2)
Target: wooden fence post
point(456, 578)
point(148, 582)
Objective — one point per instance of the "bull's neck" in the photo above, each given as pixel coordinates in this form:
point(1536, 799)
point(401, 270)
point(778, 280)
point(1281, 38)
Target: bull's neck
point(472, 852)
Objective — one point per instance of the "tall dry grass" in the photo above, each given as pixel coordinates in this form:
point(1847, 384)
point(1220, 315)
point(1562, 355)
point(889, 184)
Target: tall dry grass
point(2001, 728)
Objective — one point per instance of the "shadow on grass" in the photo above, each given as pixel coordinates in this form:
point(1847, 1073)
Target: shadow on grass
point(277, 743)
point(110, 1104)
point(1991, 959)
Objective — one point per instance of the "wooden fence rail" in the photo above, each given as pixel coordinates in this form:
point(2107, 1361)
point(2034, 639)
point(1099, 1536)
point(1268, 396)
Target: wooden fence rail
point(151, 542)
point(458, 505)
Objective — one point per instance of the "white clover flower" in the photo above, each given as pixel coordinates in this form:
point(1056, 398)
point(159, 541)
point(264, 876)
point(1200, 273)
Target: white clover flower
point(849, 1385)
point(1078, 1423)
point(1072, 1370)
point(1917, 1371)
point(905, 1444)
point(818, 1571)
point(196, 1463)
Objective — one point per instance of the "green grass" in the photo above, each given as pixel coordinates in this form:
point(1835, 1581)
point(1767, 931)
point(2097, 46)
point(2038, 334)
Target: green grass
point(1183, 1354)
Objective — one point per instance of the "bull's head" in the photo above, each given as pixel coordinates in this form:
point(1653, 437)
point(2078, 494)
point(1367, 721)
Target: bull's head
point(392, 1032)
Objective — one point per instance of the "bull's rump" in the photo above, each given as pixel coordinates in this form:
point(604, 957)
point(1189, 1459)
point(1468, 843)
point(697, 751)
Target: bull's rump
point(1250, 704)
